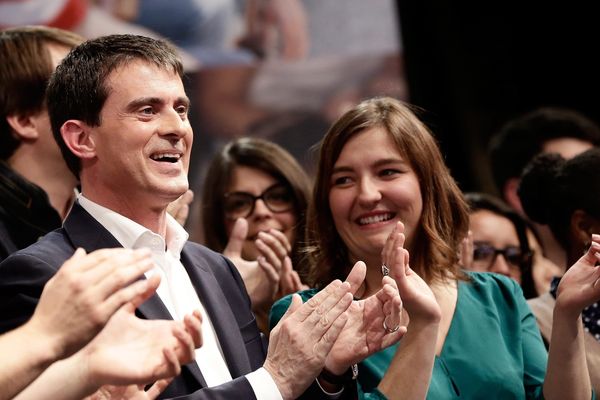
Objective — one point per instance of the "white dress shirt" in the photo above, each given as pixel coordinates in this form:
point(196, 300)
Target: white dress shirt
point(177, 292)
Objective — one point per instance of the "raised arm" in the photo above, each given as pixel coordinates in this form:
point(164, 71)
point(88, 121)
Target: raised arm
point(409, 373)
point(567, 375)
point(74, 306)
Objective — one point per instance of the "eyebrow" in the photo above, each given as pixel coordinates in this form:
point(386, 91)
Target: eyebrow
point(378, 163)
point(137, 103)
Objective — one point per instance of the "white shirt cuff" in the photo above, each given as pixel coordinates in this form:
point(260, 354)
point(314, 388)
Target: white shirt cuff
point(263, 385)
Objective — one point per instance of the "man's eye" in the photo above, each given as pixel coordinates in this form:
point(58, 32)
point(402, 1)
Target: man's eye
point(182, 110)
point(147, 111)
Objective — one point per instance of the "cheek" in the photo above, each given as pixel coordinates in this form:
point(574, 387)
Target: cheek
point(337, 205)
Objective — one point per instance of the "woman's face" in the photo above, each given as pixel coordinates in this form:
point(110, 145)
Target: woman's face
point(493, 232)
point(372, 188)
point(255, 182)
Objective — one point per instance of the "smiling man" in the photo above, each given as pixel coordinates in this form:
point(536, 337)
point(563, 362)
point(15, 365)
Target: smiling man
point(119, 112)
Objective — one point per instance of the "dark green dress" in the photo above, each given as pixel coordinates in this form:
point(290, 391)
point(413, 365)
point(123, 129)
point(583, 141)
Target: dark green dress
point(493, 349)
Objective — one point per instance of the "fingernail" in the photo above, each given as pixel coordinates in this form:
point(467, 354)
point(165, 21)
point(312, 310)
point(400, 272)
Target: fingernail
point(595, 236)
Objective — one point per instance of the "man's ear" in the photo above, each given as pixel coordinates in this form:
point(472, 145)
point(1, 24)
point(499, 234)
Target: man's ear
point(23, 126)
point(583, 225)
point(76, 135)
point(511, 195)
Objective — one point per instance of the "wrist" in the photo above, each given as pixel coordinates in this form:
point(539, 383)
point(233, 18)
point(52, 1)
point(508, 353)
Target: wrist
point(347, 376)
point(48, 347)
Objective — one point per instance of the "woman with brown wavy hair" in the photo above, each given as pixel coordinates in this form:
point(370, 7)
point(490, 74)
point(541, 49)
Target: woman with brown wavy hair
point(383, 191)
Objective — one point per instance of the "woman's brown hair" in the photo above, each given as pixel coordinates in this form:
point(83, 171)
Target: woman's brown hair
point(444, 220)
point(262, 155)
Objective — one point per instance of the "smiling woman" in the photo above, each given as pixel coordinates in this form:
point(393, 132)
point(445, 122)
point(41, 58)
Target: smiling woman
point(260, 182)
point(382, 191)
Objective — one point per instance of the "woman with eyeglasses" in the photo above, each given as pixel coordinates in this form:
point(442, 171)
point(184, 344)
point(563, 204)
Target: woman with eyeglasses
point(565, 195)
point(253, 211)
point(500, 242)
point(382, 192)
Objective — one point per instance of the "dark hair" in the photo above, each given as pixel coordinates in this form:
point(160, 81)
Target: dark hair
point(521, 139)
point(552, 188)
point(25, 69)
point(482, 201)
point(78, 88)
point(262, 155)
point(444, 220)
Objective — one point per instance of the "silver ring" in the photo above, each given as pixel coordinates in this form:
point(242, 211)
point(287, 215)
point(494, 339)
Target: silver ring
point(385, 271)
point(390, 330)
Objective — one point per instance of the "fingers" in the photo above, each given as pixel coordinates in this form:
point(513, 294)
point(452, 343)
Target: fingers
point(357, 276)
point(238, 235)
point(270, 271)
point(271, 249)
point(157, 388)
point(296, 281)
point(287, 282)
point(193, 326)
point(327, 312)
point(185, 349)
point(283, 240)
point(151, 284)
point(172, 366)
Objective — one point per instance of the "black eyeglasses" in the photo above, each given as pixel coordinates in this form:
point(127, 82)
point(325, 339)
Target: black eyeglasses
point(278, 198)
point(486, 254)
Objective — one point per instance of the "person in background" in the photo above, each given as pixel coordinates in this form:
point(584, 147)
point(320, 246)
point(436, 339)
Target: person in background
point(565, 196)
point(500, 242)
point(254, 211)
point(36, 187)
point(543, 130)
point(382, 192)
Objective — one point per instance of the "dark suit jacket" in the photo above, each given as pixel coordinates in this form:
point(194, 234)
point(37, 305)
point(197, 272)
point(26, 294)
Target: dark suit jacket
point(217, 282)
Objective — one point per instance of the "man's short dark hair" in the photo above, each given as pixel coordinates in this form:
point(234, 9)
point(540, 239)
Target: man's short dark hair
point(521, 139)
point(25, 69)
point(78, 88)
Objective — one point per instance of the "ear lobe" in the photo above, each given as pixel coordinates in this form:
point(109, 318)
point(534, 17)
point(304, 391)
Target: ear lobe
point(23, 126)
point(77, 137)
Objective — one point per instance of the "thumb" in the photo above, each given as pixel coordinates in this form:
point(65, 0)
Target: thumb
point(239, 232)
point(357, 276)
point(294, 305)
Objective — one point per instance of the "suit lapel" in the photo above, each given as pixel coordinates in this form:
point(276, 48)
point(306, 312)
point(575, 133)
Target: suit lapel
point(86, 232)
point(223, 320)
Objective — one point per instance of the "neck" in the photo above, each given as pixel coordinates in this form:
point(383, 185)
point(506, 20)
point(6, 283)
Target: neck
point(54, 178)
point(372, 282)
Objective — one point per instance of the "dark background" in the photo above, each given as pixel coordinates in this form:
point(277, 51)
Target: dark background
point(474, 66)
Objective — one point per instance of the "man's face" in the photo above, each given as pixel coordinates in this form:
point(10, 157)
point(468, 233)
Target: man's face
point(142, 146)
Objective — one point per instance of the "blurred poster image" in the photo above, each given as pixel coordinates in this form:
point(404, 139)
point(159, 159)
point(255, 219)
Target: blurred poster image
point(348, 50)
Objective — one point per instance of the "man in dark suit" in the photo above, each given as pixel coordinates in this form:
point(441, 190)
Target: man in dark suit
point(119, 113)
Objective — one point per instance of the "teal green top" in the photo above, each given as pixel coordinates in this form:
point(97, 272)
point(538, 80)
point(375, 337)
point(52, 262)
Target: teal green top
point(493, 349)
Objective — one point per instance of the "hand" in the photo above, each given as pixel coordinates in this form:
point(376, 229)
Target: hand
point(86, 291)
point(260, 277)
point(364, 333)
point(301, 341)
point(417, 297)
point(130, 350)
point(180, 208)
point(580, 285)
point(275, 250)
point(466, 251)
point(130, 392)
